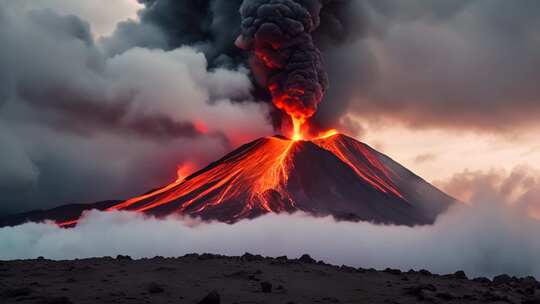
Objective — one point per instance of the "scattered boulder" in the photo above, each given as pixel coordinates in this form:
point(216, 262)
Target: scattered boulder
point(191, 255)
point(306, 258)
point(207, 256)
point(460, 275)
point(482, 280)
point(346, 268)
point(212, 298)
point(392, 271)
point(248, 257)
point(502, 279)
point(266, 287)
point(123, 257)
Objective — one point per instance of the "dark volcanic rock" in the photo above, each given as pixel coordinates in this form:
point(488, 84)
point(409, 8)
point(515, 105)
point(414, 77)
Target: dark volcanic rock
point(123, 257)
point(306, 258)
point(502, 279)
point(154, 288)
point(248, 257)
point(460, 275)
point(212, 298)
point(56, 300)
point(266, 287)
point(392, 271)
point(16, 292)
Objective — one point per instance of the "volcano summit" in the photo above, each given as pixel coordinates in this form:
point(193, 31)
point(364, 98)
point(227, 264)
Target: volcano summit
point(332, 175)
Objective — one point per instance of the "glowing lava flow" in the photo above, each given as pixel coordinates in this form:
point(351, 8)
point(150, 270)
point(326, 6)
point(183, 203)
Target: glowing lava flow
point(182, 172)
point(276, 174)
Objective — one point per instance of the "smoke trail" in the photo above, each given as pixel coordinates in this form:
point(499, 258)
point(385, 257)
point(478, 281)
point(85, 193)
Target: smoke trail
point(284, 57)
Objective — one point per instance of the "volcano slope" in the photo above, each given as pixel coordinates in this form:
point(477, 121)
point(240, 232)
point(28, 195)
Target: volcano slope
point(334, 175)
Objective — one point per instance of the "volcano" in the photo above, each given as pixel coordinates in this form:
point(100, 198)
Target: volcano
point(333, 175)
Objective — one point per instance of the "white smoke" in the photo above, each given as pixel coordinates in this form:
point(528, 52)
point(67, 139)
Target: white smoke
point(483, 240)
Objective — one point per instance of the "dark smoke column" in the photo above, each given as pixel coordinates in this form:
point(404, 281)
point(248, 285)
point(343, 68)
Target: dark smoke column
point(284, 57)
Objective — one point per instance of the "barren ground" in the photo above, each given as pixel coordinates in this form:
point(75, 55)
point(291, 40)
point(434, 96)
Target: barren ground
point(247, 279)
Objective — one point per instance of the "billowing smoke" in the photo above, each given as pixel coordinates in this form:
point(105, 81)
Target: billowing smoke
point(284, 57)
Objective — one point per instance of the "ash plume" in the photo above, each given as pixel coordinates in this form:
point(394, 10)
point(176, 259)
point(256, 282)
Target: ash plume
point(284, 57)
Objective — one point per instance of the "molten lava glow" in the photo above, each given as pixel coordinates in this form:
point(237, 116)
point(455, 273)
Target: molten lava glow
point(200, 126)
point(327, 134)
point(297, 129)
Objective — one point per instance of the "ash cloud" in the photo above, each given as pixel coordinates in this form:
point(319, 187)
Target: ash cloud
point(284, 58)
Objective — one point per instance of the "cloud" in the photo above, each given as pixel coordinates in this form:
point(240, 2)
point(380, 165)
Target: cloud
point(458, 65)
point(103, 14)
point(519, 188)
point(79, 126)
point(491, 238)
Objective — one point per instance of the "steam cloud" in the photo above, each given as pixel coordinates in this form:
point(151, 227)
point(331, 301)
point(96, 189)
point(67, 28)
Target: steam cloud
point(285, 59)
point(484, 240)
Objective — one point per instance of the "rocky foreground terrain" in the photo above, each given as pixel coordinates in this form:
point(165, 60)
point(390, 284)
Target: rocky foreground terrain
point(248, 279)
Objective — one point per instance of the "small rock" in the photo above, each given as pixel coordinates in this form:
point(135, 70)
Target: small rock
point(207, 256)
point(191, 255)
point(482, 280)
point(424, 272)
point(392, 271)
point(460, 275)
point(266, 287)
point(248, 257)
point(502, 279)
point(123, 257)
point(212, 298)
point(154, 288)
point(306, 258)
point(346, 268)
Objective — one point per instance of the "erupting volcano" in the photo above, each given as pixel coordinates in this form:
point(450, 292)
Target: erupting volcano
point(328, 175)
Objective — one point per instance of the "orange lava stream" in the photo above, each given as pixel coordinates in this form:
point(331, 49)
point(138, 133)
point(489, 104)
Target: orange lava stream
point(381, 180)
point(251, 176)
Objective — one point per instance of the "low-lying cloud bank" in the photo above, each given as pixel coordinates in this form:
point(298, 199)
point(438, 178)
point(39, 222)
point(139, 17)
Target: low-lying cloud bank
point(483, 240)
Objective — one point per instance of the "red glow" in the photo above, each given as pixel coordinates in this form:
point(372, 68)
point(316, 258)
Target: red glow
point(200, 126)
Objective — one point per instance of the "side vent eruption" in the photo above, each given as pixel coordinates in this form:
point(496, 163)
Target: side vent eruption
point(284, 57)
